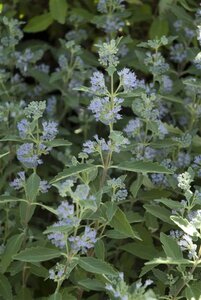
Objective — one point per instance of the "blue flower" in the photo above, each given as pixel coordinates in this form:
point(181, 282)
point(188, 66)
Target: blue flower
point(128, 79)
point(84, 242)
point(58, 239)
point(18, 182)
point(50, 130)
point(89, 147)
point(96, 146)
point(167, 84)
point(102, 6)
point(23, 127)
point(27, 156)
point(105, 111)
point(65, 211)
point(159, 179)
point(162, 130)
point(183, 160)
point(82, 191)
point(178, 53)
point(44, 186)
point(98, 83)
point(65, 187)
point(178, 25)
point(133, 127)
point(57, 273)
point(51, 106)
point(197, 160)
point(189, 33)
point(112, 24)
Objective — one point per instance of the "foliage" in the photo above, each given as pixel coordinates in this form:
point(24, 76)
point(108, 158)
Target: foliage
point(100, 154)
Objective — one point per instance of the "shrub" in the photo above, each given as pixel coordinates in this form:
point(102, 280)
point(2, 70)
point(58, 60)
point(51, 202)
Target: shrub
point(100, 150)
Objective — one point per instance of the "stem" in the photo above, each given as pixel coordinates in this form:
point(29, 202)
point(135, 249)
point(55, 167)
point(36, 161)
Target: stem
point(185, 282)
point(6, 224)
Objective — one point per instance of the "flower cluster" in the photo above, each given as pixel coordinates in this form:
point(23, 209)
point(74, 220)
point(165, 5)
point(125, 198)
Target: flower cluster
point(183, 160)
point(167, 84)
point(23, 60)
point(29, 153)
point(104, 6)
point(184, 181)
point(18, 182)
point(133, 127)
point(106, 111)
point(185, 242)
point(98, 83)
point(84, 242)
point(95, 146)
point(119, 191)
point(64, 187)
point(23, 128)
point(178, 53)
point(35, 109)
point(128, 79)
point(108, 53)
point(57, 273)
point(118, 289)
point(66, 217)
point(156, 63)
point(49, 130)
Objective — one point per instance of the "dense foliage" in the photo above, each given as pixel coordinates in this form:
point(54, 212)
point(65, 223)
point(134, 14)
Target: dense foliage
point(100, 154)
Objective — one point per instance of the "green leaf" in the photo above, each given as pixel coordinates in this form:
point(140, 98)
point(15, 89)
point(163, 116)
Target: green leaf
point(55, 296)
point(173, 99)
point(181, 14)
point(169, 203)
point(141, 250)
point(142, 167)
point(160, 275)
point(159, 27)
point(64, 229)
point(110, 209)
point(38, 270)
point(92, 284)
point(58, 143)
point(146, 269)
point(39, 23)
point(164, 5)
point(37, 254)
point(52, 210)
point(58, 9)
point(96, 266)
point(24, 294)
point(5, 288)
point(100, 249)
point(73, 170)
point(169, 261)
point(192, 292)
point(159, 212)
point(185, 225)
point(136, 185)
point(11, 138)
point(12, 247)
point(116, 235)
point(153, 194)
point(120, 223)
point(170, 247)
point(26, 212)
point(4, 154)
point(186, 5)
point(32, 187)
